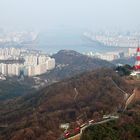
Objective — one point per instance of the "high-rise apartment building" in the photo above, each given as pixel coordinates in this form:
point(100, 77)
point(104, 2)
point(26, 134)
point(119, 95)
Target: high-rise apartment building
point(34, 64)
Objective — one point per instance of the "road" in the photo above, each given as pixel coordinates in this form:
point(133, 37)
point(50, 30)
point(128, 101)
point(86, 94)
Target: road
point(130, 99)
point(76, 137)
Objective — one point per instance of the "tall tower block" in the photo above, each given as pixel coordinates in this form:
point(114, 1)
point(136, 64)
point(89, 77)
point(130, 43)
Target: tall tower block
point(137, 63)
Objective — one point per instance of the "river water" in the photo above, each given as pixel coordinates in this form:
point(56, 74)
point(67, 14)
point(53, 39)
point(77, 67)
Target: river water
point(53, 41)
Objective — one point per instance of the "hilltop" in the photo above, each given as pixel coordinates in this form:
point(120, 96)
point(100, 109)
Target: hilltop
point(70, 57)
point(70, 63)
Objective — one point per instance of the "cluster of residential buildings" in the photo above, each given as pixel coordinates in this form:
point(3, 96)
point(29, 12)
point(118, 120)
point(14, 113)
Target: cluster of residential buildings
point(115, 40)
point(18, 37)
point(34, 63)
point(37, 65)
point(10, 53)
point(109, 56)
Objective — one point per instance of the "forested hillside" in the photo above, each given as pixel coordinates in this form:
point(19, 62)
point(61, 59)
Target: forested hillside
point(38, 115)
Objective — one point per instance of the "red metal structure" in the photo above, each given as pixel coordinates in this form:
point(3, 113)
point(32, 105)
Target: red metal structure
point(66, 134)
point(137, 64)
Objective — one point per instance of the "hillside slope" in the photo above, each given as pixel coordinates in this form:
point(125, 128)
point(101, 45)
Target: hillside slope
point(12, 87)
point(37, 116)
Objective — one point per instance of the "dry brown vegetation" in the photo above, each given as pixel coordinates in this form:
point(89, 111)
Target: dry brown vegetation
point(37, 116)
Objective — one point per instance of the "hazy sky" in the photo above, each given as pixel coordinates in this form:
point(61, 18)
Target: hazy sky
point(87, 14)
